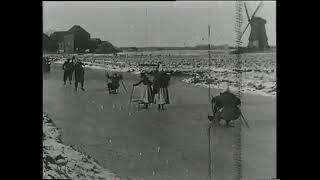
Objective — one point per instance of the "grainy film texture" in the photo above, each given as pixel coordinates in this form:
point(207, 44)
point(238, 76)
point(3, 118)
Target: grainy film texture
point(178, 90)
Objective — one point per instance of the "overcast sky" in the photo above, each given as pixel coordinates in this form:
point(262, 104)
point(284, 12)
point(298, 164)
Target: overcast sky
point(166, 24)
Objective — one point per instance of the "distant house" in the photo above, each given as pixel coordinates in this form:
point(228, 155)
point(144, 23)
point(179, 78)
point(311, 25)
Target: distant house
point(75, 40)
point(81, 38)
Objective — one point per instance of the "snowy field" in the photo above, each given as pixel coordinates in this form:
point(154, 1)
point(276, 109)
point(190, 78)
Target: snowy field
point(258, 70)
point(64, 162)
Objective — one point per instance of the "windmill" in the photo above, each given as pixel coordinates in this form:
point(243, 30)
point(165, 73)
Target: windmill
point(258, 39)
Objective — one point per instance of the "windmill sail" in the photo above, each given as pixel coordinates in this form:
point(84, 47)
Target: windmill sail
point(247, 13)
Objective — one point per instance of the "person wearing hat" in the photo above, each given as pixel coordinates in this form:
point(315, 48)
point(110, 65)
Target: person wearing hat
point(146, 93)
point(225, 106)
point(79, 75)
point(160, 88)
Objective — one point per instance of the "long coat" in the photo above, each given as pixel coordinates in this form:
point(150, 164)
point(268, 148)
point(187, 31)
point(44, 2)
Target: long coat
point(146, 93)
point(160, 88)
point(79, 72)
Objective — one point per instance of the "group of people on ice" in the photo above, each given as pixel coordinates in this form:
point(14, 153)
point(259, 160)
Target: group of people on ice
point(224, 106)
point(155, 91)
point(75, 67)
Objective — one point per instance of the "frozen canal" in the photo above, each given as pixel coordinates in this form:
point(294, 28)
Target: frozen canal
point(170, 144)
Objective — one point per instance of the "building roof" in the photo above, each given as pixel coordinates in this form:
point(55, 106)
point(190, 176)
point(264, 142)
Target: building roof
point(77, 28)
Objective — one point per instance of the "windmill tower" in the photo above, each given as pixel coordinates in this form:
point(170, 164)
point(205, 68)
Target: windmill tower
point(258, 39)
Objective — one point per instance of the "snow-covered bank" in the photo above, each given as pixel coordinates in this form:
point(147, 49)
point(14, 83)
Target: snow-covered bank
point(64, 162)
point(264, 92)
point(252, 82)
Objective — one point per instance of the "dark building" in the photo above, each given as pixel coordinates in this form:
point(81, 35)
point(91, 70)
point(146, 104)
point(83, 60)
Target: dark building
point(75, 40)
point(94, 43)
point(81, 38)
point(58, 38)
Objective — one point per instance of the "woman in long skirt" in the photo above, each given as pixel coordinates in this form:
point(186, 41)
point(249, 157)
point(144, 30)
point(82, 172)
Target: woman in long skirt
point(160, 88)
point(146, 93)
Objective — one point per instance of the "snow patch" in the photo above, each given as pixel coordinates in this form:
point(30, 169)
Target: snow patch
point(64, 162)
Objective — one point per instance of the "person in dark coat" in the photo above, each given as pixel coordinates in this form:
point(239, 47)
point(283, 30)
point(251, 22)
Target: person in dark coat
point(72, 67)
point(79, 75)
point(114, 82)
point(226, 107)
point(146, 93)
point(67, 74)
point(160, 88)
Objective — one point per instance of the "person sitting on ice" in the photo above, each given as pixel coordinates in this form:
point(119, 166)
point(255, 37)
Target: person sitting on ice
point(146, 93)
point(113, 84)
point(225, 107)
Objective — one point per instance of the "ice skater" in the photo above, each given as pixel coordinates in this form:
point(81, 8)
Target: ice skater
point(67, 74)
point(160, 88)
point(225, 107)
point(146, 93)
point(79, 75)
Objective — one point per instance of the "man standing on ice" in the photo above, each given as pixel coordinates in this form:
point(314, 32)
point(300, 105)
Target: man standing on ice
point(72, 66)
point(79, 75)
point(67, 74)
point(225, 107)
